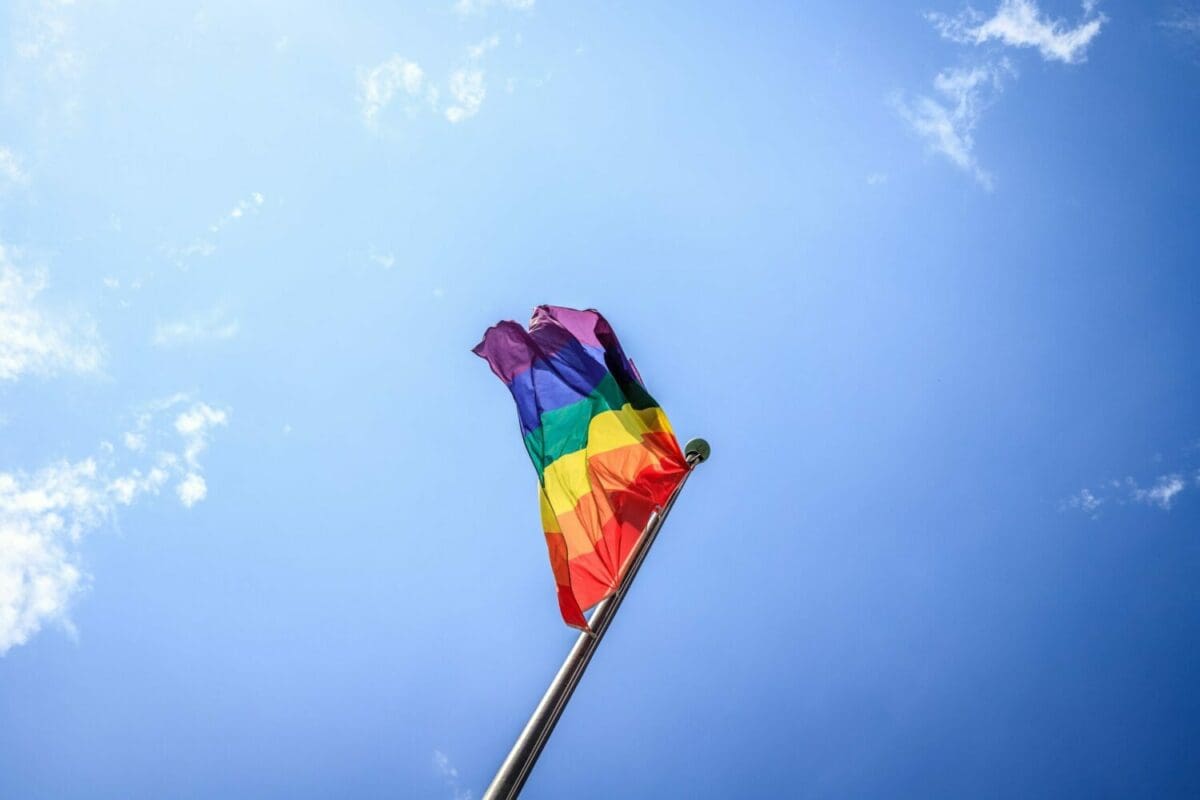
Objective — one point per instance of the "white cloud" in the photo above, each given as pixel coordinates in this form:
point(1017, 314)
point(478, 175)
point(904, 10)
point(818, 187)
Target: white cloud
point(449, 774)
point(199, 247)
point(477, 51)
point(34, 340)
point(1162, 494)
point(877, 179)
point(385, 260)
point(197, 419)
point(45, 515)
point(46, 35)
point(468, 89)
point(1185, 21)
point(379, 85)
point(12, 173)
point(135, 441)
point(126, 488)
point(1085, 501)
point(468, 7)
point(204, 246)
point(209, 326)
point(1020, 23)
point(194, 426)
point(947, 123)
point(467, 85)
point(1184, 24)
point(43, 80)
point(192, 489)
point(244, 207)
point(41, 515)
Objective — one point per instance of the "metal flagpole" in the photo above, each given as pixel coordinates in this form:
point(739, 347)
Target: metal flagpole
point(511, 776)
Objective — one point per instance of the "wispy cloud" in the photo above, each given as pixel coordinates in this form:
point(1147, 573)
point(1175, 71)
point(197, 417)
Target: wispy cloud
point(1084, 500)
point(45, 76)
point(467, 84)
point(1183, 20)
point(947, 122)
point(468, 89)
point(1020, 23)
point(41, 517)
point(192, 489)
point(477, 51)
point(378, 85)
point(46, 34)
point(45, 515)
point(466, 8)
point(12, 171)
point(1182, 24)
point(212, 325)
point(398, 77)
point(1162, 492)
point(245, 207)
point(387, 260)
point(206, 245)
point(33, 339)
point(449, 773)
point(195, 427)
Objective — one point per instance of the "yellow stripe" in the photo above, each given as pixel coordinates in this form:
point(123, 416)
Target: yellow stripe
point(576, 537)
point(581, 527)
point(567, 479)
point(549, 520)
point(612, 429)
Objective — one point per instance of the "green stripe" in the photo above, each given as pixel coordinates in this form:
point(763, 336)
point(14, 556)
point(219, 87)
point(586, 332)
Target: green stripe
point(565, 430)
point(637, 396)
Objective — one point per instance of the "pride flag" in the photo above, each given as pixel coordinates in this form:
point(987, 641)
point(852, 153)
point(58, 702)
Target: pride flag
point(605, 454)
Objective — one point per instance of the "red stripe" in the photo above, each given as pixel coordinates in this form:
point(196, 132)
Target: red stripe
point(593, 576)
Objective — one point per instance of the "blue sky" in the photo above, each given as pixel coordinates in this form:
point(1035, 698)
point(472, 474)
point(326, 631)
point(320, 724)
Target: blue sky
point(924, 275)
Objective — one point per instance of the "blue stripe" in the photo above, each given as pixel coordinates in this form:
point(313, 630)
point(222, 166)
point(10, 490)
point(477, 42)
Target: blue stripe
point(567, 376)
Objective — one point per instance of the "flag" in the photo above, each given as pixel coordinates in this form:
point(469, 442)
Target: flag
point(605, 455)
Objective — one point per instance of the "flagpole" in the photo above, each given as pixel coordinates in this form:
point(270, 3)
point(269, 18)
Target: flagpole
point(511, 776)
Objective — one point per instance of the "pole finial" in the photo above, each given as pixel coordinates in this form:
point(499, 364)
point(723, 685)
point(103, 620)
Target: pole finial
point(697, 450)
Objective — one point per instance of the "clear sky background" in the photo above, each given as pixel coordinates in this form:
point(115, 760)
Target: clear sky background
point(925, 276)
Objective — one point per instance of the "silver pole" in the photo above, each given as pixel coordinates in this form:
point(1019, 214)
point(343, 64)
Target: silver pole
point(513, 773)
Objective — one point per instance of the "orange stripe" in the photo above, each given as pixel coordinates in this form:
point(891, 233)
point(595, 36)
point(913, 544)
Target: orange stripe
point(568, 604)
point(595, 574)
point(590, 543)
point(614, 471)
point(583, 525)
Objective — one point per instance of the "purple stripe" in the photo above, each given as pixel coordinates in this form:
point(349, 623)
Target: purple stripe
point(509, 349)
point(560, 360)
point(568, 376)
point(580, 324)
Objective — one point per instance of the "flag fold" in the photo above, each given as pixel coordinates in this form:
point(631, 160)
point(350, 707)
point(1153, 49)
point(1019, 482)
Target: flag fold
point(605, 455)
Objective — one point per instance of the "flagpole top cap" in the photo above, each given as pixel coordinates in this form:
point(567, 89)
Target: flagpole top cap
point(696, 451)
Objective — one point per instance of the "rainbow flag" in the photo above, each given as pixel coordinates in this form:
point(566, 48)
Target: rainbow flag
point(605, 454)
